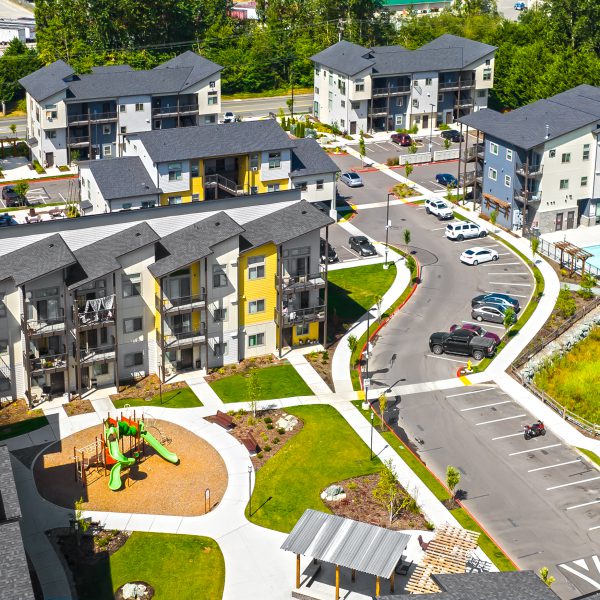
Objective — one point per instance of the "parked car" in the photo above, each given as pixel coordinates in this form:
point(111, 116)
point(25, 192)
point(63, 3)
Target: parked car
point(478, 254)
point(464, 230)
point(493, 313)
point(463, 342)
point(504, 299)
point(446, 180)
point(11, 198)
point(361, 245)
point(438, 208)
point(478, 329)
point(453, 135)
point(229, 117)
point(403, 139)
point(7, 220)
point(520, 6)
point(328, 253)
point(351, 179)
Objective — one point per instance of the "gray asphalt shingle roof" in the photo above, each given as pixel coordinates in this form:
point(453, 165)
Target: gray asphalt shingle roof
point(201, 67)
point(194, 242)
point(15, 583)
point(344, 57)
point(205, 141)
point(9, 500)
point(308, 158)
point(471, 50)
point(286, 224)
point(526, 128)
point(124, 177)
point(48, 80)
point(100, 258)
point(37, 259)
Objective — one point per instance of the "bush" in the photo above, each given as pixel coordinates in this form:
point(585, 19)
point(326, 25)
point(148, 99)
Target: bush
point(38, 168)
point(443, 127)
point(393, 161)
point(63, 168)
point(276, 440)
point(565, 304)
point(281, 431)
point(268, 420)
point(267, 448)
point(414, 129)
point(103, 542)
point(269, 426)
point(259, 455)
point(325, 356)
point(352, 485)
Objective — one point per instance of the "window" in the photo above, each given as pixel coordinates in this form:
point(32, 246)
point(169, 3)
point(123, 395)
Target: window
point(122, 108)
point(274, 160)
point(316, 91)
point(148, 203)
point(195, 197)
point(258, 339)
point(123, 129)
point(481, 93)
point(320, 184)
point(256, 267)
point(254, 189)
point(564, 184)
point(317, 71)
point(440, 97)
point(273, 187)
point(342, 123)
point(487, 75)
point(343, 103)
point(212, 100)
point(107, 150)
point(565, 158)
point(302, 329)
point(355, 105)
point(492, 174)
point(131, 285)
point(132, 324)
point(139, 107)
point(50, 135)
point(175, 200)
point(212, 84)
point(220, 349)
point(219, 315)
point(488, 61)
point(507, 180)
point(3, 346)
point(51, 112)
point(219, 276)
point(134, 359)
point(552, 153)
point(399, 120)
point(194, 169)
point(415, 103)
point(254, 162)
point(2, 309)
point(399, 101)
point(584, 181)
point(586, 152)
point(126, 206)
point(330, 79)
point(256, 306)
point(509, 155)
point(342, 87)
point(359, 85)
point(100, 369)
point(209, 119)
point(301, 185)
point(494, 148)
point(428, 81)
point(106, 129)
point(174, 171)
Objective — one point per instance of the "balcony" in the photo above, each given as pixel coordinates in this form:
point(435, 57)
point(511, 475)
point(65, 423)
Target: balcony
point(291, 284)
point(473, 153)
point(50, 363)
point(378, 112)
point(48, 326)
point(391, 91)
point(529, 197)
point(532, 171)
point(100, 354)
point(463, 102)
point(173, 111)
point(85, 118)
point(79, 141)
point(303, 315)
point(96, 313)
point(455, 85)
point(182, 339)
point(182, 303)
point(223, 183)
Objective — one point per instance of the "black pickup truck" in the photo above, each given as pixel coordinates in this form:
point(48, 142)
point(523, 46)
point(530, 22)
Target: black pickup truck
point(463, 342)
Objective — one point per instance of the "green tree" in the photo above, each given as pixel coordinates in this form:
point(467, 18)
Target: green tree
point(452, 479)
point(408, 168)
point(361, 147)
point(254, 390)
point(494, 216)
point(406, 234)
point(534, 243)
point(21, 188)
point(352, 343)
point(586, 285)
point(447, 143)
point(413, 147)
point(509, 317)
point(546, 577)
point(16, 62)
point(388, 493)
point(565, 303)
point(382, 408)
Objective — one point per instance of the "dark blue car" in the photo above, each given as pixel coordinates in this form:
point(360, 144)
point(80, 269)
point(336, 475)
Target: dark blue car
point(446, 180)
point(6, 220)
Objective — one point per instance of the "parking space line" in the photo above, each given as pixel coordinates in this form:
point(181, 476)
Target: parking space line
point(485, 405)
point(462, 362)
point(487, 324)
point(593, 528)
point(503, 419)
point(536, 450)
point(469, 393)
point(351, 251)
point(505, 273)
point(569, 462)
point(501, 437)
point(437, 229)
point(504, 263)
point(562, 485)
point(515, 295)
point(509, 283)
point(582, 505)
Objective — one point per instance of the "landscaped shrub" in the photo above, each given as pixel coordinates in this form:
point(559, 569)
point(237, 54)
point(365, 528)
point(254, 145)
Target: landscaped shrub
point(443, 127)
point(281, 431)
point(268, 420)
point(393, 161)
point(565, 304)
point(267, 448)
point(269, 426)
point(276, 440)
point(38, 168)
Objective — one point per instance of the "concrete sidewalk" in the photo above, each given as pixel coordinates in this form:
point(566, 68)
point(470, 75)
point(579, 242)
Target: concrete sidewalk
point(309, 374)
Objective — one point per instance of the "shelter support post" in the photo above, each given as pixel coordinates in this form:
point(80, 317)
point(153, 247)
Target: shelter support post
point(337, 582)
point(377, 586)
point(353, 574)
point(392, 578)
point(297, 571)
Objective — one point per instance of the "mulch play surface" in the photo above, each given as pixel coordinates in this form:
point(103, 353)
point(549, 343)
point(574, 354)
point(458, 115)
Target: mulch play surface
point(155, 486)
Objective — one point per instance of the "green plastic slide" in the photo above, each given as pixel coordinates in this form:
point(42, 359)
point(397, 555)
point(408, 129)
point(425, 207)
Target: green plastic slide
point(152, 441)
point(114, 480)
point(112, 438)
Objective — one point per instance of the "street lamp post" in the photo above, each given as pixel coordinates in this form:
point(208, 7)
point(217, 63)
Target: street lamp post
point(372, 417)
point(431, 128)
point(387, 229)
point(250, 490)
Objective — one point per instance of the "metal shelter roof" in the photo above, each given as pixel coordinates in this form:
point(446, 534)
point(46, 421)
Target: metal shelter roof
point(347, 543)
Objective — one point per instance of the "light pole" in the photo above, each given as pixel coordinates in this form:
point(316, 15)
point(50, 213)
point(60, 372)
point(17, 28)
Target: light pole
point(387, 229)
point(372, 417)
point(431, 127)
point(250, 490)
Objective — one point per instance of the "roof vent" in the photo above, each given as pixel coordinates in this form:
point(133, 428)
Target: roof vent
point(50, 245)
point(547, 131)
point(217, 223)
point(303, 212)
point(138, 234)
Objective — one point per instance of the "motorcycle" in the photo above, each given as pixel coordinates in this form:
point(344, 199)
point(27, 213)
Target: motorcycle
point(534, 430)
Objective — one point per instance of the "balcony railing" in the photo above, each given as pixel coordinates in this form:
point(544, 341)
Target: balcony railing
point(454, 85)
point(80, 140)
point(98, 354)
point(473, 152)
point(168, 111)
point(182, 303)
point(531, 171)
point(303, 315)
point(463, 102)
point(228, 185)
point(291, 284)
point(48, 326)
point(529, 197)
point(179, 339)
point(391, 91)
point(95, 117)
point(96, 318)
point(48, 363)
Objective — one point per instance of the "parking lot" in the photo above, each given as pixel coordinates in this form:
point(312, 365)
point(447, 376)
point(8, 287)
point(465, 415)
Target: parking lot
point(42, 193)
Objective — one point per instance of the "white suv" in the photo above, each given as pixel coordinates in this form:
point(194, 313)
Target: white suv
point(438, 208)
point(464, 230)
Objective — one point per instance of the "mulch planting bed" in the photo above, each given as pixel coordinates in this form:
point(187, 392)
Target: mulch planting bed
point(264, 430)
point(360, 505)
point(244, 366)
point(78, 407)
point(322, 364)
point(154, 486)
point(147, 388)
point(17, 411)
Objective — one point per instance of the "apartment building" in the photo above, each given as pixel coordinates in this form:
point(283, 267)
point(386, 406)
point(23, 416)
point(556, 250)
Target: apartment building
point(194, 164)
point(540, 163)
point(389, 87)
point(111, 298)
point(86, 116)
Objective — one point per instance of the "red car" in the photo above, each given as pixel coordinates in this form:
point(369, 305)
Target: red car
point(403, 139)
point(480, 331)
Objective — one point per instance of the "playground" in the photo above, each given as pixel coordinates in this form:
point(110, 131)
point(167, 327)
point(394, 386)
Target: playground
point(132, 465)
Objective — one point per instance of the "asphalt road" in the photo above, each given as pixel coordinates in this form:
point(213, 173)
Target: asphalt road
point(12, 10)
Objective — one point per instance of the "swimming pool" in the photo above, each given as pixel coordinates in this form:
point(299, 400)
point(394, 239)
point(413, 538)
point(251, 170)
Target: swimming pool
point(594, 260)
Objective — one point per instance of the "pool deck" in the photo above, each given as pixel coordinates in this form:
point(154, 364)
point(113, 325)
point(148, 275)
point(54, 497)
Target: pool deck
point(582, 236)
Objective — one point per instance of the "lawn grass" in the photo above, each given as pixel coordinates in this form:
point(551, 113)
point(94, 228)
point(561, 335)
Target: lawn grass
point(495, 554)
point(186, 567)
point(593, 457)
point(182, 398)
point(353, 291)
point(14, 429)
point(574, 379)
point(325, 451)
point(278, 381)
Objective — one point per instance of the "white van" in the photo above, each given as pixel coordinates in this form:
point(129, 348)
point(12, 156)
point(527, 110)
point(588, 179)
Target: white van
point(464, 230)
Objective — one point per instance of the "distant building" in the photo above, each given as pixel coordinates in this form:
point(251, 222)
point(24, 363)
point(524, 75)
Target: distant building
point(422, 7)
point(244, 10)
point(22, 29)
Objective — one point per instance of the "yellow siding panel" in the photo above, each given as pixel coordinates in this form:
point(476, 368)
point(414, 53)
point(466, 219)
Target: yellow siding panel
point(313, 333)
point(258, 289)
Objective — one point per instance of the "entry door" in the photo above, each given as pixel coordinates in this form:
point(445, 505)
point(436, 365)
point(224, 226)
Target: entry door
point(57, 383)
point(449, 117)
point(187, 358)
point(50, 159)
point(425, 121)
point(85, 377)
point(570, 219)
point(559, 222)
point(352, 127)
